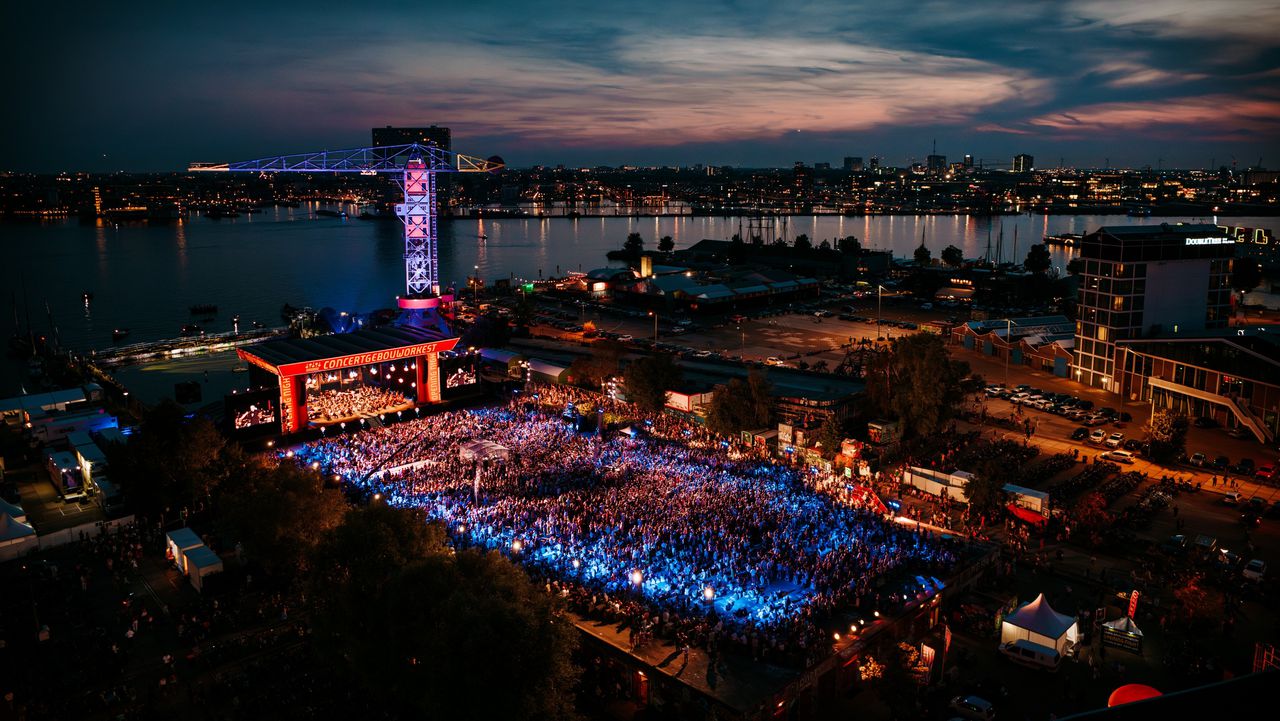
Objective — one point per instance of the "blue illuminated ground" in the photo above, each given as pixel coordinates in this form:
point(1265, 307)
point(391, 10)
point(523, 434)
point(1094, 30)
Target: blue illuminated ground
point(674, 523)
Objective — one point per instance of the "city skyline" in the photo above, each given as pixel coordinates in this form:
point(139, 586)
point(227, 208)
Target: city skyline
point(1172, 83)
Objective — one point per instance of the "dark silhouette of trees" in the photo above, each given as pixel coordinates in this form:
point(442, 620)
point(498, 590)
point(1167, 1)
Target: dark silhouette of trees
point(953, 256)
point(634, 244)
point(666, 244)
point(648, 379)
point(922, 255)
point(740, 405)
point(1038, 260)
point(917, 382)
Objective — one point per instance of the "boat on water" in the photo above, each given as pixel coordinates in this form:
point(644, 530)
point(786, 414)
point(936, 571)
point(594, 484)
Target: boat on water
point(192, 329)
point(217, 213)
point(240, 369)
point(331, 213)
point(204, 309)
point(119, 334)
point(87, 296)
point(1140, 212)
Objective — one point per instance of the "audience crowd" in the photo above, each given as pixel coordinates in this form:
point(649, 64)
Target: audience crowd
point(658, 524)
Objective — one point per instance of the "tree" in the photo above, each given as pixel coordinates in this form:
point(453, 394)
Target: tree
point(592, 370)
point(953, 256)
point(1246, 274)
point(1075, 266)
point(1092, 517)
point(760, 391)
point(917, 382)
point(634, 244)
point(824, 246)
point(848, 245)
point(648, 379)
point(355, 561)
point(174, 462)
point(985, 490)
point(666, 244)
point(280, 512)
point(729, 408)
point(830, 437)
point(923, 256)
point(450, 626)
point(1038, 260)
point(740, 405)
point(802, 243)
point(1167, 432)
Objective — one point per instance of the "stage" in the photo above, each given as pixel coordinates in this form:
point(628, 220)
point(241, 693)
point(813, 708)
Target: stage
point(343, 377)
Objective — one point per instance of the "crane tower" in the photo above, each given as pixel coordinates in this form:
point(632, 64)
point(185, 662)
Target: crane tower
point(416, 167)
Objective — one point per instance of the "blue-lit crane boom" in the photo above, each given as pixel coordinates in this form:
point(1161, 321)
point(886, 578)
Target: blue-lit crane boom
point(416, 164)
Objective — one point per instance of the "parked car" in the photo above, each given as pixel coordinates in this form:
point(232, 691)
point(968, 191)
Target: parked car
point(774, 360)
point(1255, 570)
point(973, 707)
point(1238, 432)
point(1096, 419)
point(1221, 463)
point(1266, 473)
point(1132, 444)
point(1114, 440)
point(625, 338)
point(1197, 459)
point(1097, 436)
point(1232, 498)
point(1080, 434)
point(1031, 654)
point(1244, 467)
point(1124, 457)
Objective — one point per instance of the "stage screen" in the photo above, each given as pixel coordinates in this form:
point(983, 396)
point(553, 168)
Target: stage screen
point(459, 375)
point(253, 409)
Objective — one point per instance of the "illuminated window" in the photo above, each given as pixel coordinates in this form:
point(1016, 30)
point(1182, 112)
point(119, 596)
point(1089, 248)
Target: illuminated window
point(1102, 332)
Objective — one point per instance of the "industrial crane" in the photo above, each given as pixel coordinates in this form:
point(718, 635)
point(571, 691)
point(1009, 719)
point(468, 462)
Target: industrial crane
point(417, 166)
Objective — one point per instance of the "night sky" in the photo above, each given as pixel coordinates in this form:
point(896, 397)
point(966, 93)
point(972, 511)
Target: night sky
point(153, 86)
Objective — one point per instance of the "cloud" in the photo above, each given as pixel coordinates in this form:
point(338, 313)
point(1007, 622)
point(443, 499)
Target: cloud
point(656, 90)
point(1251, 19)
point(1126, 74)
point(1206, 116)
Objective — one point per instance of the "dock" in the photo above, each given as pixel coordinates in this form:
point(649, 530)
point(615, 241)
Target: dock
point(176, 347)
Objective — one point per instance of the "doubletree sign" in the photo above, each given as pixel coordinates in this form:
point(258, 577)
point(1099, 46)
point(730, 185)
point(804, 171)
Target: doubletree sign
point(1209, 241)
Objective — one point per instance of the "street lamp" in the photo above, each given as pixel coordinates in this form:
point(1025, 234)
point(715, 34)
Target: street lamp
point(879, 306)
point(655, 326)
point(475, 285)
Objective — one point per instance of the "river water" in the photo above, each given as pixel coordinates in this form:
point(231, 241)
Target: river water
point(145, 277)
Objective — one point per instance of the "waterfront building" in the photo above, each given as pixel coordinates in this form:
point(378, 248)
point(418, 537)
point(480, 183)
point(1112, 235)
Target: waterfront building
point(1023, 163)
point(1231, 376)
point(1148, 281)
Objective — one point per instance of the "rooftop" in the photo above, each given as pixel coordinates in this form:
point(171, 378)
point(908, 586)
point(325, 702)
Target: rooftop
point(300, 350)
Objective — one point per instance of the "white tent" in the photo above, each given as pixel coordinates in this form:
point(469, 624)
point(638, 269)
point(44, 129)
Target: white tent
point(1037, 622)
point(481, 450)
point(18, 514)
point(16, 538)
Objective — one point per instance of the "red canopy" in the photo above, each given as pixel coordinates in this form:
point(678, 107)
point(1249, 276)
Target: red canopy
point(1131, 692)
point(1023, 514)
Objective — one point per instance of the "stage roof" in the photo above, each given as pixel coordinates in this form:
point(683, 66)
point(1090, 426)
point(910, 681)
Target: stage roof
point(295, 356)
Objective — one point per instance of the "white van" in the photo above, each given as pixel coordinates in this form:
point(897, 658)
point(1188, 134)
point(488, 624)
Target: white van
point(1031, 654)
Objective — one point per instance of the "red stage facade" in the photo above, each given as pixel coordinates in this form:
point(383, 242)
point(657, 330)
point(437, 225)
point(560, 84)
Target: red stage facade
point(298, 364)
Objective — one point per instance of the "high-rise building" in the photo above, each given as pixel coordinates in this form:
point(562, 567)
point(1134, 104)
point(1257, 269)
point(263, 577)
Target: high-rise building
point(434, 135)
point(1148, 281)
point(1023, 163)
point(853, 163)
point(968, 162)
point(936, 163)
point(822, 166)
